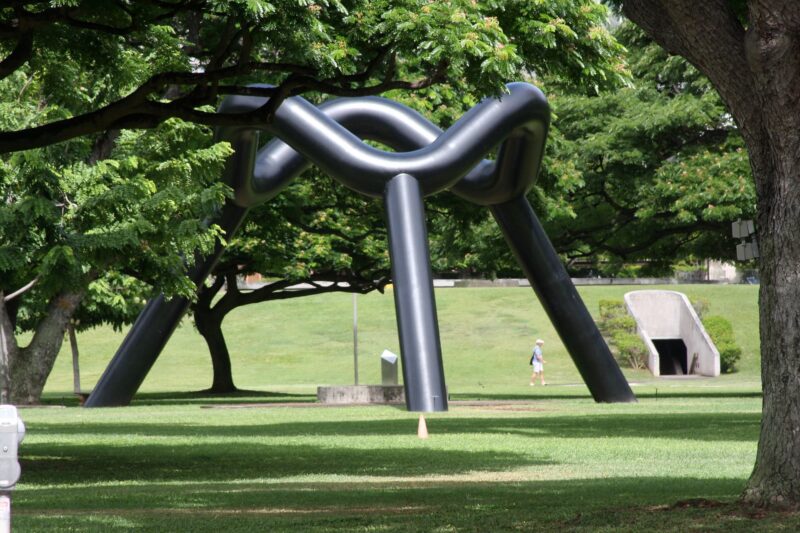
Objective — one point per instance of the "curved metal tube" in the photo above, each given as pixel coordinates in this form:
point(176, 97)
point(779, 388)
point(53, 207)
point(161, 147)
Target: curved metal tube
point(259, 176)
point(371, 118)
point(521, 116)
point(561, 301)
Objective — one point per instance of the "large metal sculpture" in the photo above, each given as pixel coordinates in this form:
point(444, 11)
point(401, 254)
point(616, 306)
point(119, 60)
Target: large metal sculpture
point(426, 161)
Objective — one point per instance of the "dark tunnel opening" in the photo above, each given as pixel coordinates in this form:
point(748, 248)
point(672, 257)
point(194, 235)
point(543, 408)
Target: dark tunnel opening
point(672, 356)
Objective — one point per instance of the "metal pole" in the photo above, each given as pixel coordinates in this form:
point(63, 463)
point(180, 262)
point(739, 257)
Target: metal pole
point(76, 370)
point(548, 277)
point(415, 306)
point(355, 338)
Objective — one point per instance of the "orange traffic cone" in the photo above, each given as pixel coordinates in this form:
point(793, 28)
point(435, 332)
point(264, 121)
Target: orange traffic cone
point(422, 428)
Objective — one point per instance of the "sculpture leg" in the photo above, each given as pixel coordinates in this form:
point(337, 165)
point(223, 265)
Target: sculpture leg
point(561, 301)
point(420, 349)
point(151, 331)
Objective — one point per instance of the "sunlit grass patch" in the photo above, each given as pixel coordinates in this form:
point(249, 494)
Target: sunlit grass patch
point(194, 468)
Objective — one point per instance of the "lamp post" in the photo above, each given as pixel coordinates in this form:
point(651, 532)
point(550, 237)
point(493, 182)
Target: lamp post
point(355, 339)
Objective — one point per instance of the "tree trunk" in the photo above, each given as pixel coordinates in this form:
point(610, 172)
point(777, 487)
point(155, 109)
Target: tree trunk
point(209, 324)
point(773, 54)
point(775, 481)
point(30, 366)
point(757, 73)
point(208, 318)
point(9, 350)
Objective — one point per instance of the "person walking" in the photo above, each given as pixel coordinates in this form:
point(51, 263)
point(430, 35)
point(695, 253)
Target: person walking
point(537, 361)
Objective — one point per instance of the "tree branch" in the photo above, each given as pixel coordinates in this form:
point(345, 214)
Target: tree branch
point(653, 18)
point(277, 290)
point(136, 111)
point(28, 286)
point(682, 27)
point(19, 56)
point(600, 245)
point(206, 294)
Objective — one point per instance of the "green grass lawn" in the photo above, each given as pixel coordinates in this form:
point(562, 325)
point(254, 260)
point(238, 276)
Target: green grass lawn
point(520, 459)
point(292, 346)
point(537, 465)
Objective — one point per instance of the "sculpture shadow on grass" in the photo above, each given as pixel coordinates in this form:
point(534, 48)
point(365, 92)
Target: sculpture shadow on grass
point(686, 426)
point(553, 394)
point(193, 398)
point(237, 460)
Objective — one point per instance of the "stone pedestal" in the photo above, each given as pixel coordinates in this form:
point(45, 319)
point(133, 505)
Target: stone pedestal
point(361, 394)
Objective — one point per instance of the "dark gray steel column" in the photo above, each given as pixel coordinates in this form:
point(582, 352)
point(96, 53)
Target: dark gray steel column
point(415, 306)
point(153, 328)
point(564, 306)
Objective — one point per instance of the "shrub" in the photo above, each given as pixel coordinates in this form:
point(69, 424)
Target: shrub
point(631, 349)
point(729, 355)
point(610, 309)
point(619, 330)
point(721, 332)
point(624, 323)
point(718, 327)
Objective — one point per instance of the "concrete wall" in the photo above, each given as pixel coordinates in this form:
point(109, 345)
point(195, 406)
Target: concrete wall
point(670, 315)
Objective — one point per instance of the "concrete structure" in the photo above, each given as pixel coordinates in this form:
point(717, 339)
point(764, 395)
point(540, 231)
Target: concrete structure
point(361, 394)
point(663, 318)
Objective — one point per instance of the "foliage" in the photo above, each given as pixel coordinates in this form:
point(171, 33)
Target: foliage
point(721, 332)
point(108, 203)
point(609, 309)
point(619, 330)
point(631, 349)
point(70, 224)
point(648, 174)
point(662, 170)
point(317, 231)
point(314, 228)
point(78, 219)
point(566, 43)
point(156, 60)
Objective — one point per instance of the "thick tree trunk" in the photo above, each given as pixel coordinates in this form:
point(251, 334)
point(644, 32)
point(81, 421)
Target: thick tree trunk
point(757, 73)
point(775, 481)
point(209, 324)
point(773, 55)
point(29, 367)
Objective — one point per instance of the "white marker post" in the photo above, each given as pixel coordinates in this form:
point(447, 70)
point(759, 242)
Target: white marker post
point(12, 431)
point(5, 513)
